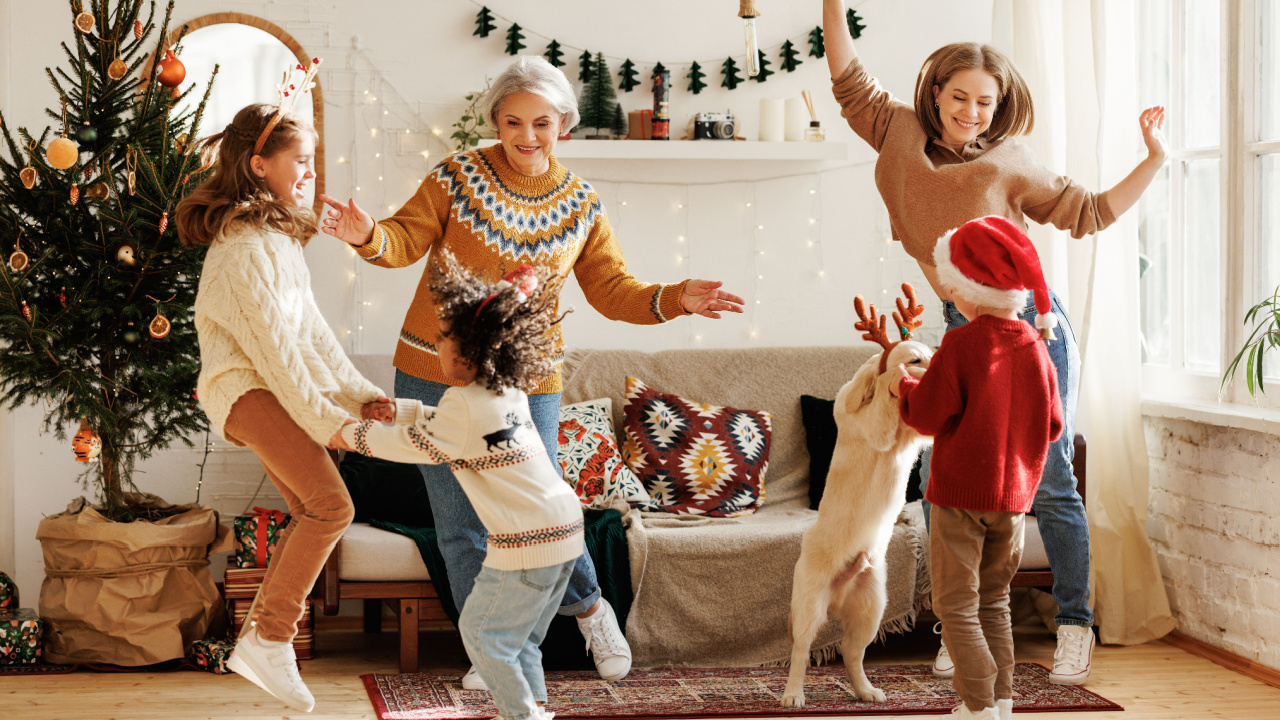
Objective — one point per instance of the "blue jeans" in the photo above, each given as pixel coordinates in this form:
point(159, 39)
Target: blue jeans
point(460, 533)
point(1059, 510)
point(504, 622)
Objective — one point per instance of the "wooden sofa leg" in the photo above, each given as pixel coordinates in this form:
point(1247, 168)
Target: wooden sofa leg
point(408, 611)
point(372, 615)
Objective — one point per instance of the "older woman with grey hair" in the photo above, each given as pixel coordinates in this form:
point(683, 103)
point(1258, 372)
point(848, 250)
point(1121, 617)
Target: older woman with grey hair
point(495, 209)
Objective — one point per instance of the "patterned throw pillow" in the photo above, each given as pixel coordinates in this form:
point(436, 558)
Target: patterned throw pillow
point(696, 458)
point(589, 456)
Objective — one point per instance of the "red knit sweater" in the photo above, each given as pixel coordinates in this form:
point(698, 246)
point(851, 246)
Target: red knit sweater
point(990, 399)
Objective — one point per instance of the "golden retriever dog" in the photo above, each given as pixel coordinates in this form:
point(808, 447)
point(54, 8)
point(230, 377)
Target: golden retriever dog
point(841, 569)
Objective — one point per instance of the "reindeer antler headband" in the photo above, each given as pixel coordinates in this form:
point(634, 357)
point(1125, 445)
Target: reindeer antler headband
point(906, 318)
point(289, 93)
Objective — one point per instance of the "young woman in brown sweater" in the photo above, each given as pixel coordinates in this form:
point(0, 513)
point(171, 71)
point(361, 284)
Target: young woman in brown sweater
point(951, 159)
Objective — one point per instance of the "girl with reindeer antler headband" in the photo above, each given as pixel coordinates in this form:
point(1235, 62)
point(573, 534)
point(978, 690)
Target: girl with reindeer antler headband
point(273, 376)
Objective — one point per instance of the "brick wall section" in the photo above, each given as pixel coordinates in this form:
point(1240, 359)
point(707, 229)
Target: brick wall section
point(1214, 518)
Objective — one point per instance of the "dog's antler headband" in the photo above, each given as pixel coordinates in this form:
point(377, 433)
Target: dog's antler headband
point(873, 324)
point(289, 94)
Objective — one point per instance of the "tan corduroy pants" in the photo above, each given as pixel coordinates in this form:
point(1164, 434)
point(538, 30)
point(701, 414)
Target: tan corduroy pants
point(306, 477)
point(973, 556)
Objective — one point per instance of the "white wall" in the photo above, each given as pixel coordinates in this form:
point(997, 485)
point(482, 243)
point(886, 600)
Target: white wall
point(419, 59)
point(1215, 496)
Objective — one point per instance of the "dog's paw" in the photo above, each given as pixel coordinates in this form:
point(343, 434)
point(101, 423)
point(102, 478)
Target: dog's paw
point(795, 700)
point(870, 694)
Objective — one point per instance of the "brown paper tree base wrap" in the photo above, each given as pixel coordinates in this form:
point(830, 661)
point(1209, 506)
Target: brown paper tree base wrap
point(128, 593)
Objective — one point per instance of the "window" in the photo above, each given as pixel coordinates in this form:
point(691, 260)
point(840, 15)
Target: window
point(1209, 225)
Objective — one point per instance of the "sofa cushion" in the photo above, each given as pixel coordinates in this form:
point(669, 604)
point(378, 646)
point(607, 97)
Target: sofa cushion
point(820, 439)
point(369, 554)
point(1033, 554)
point(589, 457)
point(696, 458)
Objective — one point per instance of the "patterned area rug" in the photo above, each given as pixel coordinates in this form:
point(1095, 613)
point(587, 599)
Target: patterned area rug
point(708, 692)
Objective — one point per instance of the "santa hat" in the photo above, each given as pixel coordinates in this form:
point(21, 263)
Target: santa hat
point(990, 262)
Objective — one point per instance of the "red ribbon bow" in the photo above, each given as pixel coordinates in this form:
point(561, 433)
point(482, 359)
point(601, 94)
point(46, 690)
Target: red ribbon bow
point(260, 532)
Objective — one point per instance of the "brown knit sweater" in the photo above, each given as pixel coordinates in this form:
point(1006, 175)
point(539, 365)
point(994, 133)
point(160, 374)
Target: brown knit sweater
point(493, 219)
point(930, 189)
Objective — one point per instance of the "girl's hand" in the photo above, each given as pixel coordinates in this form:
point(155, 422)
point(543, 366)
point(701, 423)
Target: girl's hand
point(347, 222)
point(704, 297)
point(382, 410)
point(336, 442)
point(1152, 122)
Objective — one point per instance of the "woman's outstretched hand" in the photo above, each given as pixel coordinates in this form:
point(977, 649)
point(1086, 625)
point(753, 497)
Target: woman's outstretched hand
point(704, 297)
point(1152, 122)
point(347, 222)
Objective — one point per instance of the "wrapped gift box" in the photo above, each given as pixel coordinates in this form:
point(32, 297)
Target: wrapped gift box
point(212, 655)
point(304, 643)
point(20, 633)
point(640, 125)
point(256, 537)
point(242, 583)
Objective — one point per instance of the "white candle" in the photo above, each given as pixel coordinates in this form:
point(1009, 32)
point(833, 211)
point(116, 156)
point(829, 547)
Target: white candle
point(772, 120)
point(797, 119)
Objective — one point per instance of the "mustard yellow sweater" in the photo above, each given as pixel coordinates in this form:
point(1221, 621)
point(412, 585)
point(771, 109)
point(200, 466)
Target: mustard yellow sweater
point(493, 219)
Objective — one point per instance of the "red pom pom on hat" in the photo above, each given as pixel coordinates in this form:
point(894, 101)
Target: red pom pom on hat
point(991, 262)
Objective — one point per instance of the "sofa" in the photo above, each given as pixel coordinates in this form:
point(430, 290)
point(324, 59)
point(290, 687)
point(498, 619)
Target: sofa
point(707, 591)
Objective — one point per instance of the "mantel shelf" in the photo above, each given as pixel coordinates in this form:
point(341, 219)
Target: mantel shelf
point(697, 150)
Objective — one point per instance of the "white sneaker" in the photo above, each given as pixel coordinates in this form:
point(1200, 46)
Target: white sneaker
point(1074, 656)
point(1005, 709)
point(963, 713)
point(473, 681)
point(273, 667)
point(606, 643)
point(943, 666)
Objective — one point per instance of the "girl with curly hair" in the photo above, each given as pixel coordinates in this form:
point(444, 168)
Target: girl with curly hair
point(497, 340)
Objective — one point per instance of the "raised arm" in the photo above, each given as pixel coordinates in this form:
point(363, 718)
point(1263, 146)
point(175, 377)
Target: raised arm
point(400, 240)
point(1126, 192)
point(836, 37)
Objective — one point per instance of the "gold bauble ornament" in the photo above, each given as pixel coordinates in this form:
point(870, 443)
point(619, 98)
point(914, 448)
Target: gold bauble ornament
point(117, 69)
point(180, 143)
point(62, 153)
point(85, 22)
point(159, 326)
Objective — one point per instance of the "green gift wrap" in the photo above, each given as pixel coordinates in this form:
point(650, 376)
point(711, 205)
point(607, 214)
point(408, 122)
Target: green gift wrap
point(256, 536)
point(212, 655)
point(8, 593)
point(20, 632)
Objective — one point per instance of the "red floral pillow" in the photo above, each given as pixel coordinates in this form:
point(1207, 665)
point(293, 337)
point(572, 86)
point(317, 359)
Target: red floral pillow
point(695, 458)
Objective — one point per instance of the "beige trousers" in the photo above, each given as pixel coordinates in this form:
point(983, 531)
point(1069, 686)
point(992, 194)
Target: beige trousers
point(306, 477)
point(973, 556)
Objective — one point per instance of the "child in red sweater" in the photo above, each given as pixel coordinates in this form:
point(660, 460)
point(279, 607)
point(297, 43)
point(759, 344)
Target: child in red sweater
point(990, 399)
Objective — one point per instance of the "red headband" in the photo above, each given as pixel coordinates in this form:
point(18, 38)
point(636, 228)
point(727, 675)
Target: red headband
point(522, 278)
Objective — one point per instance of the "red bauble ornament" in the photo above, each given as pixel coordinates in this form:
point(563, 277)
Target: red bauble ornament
point(75, 194)
point(172, 71)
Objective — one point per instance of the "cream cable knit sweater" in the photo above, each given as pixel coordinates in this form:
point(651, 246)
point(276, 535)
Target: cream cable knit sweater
point(260, 328)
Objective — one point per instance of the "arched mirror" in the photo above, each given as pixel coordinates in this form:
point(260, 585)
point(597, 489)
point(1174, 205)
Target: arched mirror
point(251, 55)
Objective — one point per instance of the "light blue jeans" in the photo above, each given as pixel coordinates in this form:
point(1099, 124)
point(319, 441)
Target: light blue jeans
point(1059, 510)
point(503, 624)
point(460, 533)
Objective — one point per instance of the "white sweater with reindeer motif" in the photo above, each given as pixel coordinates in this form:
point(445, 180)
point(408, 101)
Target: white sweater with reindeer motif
point(533, 517)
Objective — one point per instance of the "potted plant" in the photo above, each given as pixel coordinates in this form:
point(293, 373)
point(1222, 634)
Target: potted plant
point(1265, 317)
point(94, 323)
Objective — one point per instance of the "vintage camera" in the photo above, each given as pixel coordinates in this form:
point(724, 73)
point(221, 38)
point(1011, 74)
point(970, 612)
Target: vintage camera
point(713, 126)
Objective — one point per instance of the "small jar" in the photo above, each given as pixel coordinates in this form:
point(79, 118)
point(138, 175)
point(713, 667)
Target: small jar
point(814, 133)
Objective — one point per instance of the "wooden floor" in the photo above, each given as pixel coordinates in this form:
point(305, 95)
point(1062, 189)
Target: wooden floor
point(1154, 681)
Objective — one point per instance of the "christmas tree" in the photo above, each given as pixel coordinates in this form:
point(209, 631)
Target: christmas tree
point(855, 23)
point(554, 54)
point(730, 71)
point(790, 57)
point(585, 62)
point(95, 298)
point(765, 72)
point(817, 46)
point(598, 98)
point(696, 83)
point(514, 38)
point(619, 121)
point(484, 23)
point(628, 74)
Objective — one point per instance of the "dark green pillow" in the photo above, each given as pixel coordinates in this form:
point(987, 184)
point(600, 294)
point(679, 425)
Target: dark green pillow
point(384, 490)
point(820, 433)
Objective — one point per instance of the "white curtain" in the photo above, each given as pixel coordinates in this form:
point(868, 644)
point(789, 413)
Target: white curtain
point(1078, 56)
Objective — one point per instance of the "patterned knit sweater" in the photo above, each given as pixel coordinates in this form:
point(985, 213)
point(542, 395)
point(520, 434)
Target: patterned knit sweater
point(259, 328)
point(533, 518)
point(493, 219)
